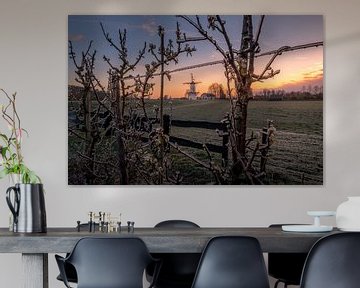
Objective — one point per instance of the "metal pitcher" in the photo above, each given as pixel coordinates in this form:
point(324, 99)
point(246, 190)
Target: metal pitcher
point(27, 207)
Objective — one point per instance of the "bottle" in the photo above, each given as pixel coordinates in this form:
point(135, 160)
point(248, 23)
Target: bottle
point(348, 215)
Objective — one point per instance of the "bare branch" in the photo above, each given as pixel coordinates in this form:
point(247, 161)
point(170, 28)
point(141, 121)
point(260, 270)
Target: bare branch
point(268, 65)
point(95, 161)
point(112, 44)
point(257, 36)
point(205, 35)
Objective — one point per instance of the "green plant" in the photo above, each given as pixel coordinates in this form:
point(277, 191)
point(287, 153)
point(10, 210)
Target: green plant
point(11, 159)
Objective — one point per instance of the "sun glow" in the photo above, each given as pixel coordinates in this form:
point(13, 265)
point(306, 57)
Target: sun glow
point(297, 68)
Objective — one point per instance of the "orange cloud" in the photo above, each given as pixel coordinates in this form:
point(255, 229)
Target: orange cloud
point(313, 75)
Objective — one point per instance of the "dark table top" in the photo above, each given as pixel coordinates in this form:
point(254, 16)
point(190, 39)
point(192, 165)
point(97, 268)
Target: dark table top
point(158, 240)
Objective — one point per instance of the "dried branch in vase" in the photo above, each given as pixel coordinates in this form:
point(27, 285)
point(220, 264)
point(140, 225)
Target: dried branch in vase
point(11, 158)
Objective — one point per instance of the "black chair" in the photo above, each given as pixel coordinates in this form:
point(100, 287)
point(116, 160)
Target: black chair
point(333, 262)
point(178, 269)
point(232, 262)
point(70, 273)
point(176, 224)
point(69, 269)
point(108, 263)
point(286, 267)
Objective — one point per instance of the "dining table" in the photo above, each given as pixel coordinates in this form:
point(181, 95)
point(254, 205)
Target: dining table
point(35, 247)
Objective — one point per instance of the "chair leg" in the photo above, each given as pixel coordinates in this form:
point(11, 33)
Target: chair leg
point(277, 283)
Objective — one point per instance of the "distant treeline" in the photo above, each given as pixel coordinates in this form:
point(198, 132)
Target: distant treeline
point(309, 93)
point(75, 94)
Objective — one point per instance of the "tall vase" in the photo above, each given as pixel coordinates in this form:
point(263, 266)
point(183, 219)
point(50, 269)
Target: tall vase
point(27, 204)
point(13, 179)
point(348, 214)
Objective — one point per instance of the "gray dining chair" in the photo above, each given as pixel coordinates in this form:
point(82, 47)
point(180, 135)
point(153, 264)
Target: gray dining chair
point(232, 262)
point(178, 269)
point(108, 263)
point(333, 262)
point(69, 269)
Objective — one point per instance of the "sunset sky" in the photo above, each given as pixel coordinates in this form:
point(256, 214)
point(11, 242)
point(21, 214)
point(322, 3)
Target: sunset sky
point(299, 68)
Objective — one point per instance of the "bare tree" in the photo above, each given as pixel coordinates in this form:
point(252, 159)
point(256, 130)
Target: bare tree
point(217, 90)
point(133, 154)
point(89, 136)
point(239, 71)
point(123, 90)
point(163, 55)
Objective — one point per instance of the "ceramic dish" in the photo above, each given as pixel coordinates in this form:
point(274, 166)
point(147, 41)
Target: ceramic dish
point(306, 228)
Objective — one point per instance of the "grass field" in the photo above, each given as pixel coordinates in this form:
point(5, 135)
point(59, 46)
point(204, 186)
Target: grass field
point(296, 157)
point(291, 116)
point(297, 154)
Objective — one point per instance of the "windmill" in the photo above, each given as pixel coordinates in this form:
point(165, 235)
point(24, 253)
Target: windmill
point(191, 93)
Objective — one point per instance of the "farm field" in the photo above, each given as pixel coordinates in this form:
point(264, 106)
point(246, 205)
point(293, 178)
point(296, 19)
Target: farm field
point(296, 157)
point(291, 116)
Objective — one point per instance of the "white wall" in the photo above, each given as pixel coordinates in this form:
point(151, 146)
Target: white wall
point(33, 62)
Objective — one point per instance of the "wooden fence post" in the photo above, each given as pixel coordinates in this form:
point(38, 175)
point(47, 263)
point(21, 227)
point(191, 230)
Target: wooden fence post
point(166, 123)
point(264, 141)
point(225, 142)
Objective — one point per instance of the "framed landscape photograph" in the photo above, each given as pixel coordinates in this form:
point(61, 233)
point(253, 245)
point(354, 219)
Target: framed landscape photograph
point(195, 100)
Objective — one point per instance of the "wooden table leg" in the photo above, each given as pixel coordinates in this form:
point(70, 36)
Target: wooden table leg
point(35, 270)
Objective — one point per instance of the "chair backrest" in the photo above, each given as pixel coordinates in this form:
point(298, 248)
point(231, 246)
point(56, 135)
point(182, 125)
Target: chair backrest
point(178, 269)
point(110, 262)
point(333, 262)
point(176, 224)
point(232, 262)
